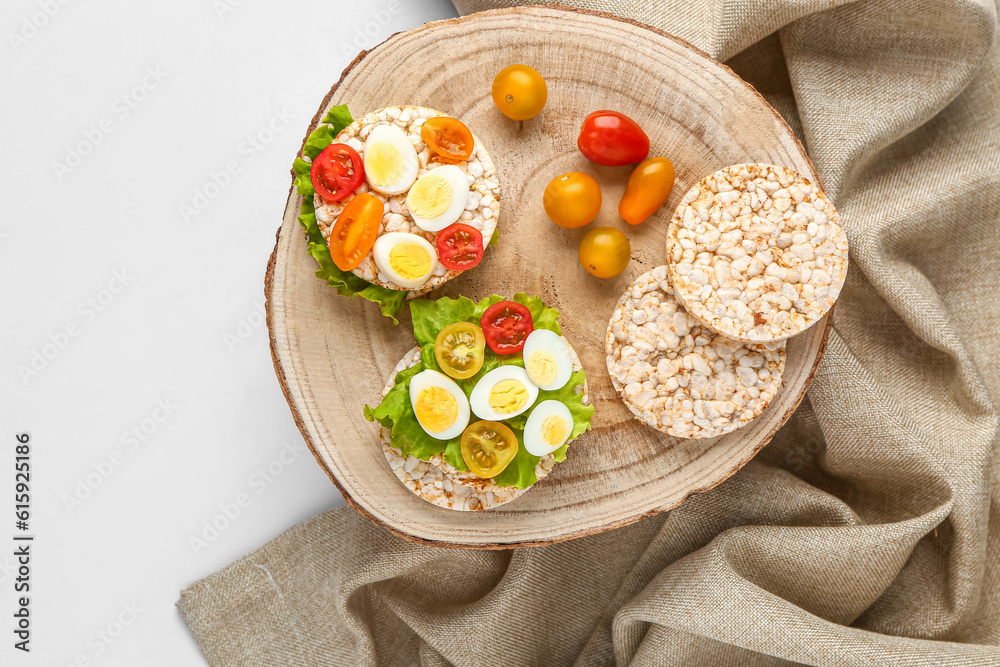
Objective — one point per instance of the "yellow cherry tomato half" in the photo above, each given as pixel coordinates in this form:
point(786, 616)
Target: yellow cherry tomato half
point(572, 200)
point(519, 92)
point(605, 252)
point(648, 189)
point(459, 350)
point(355, 231)
point(448, 137)
point(488, 447)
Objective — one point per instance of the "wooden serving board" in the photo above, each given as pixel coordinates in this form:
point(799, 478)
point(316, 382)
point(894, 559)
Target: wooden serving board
point(332, 354)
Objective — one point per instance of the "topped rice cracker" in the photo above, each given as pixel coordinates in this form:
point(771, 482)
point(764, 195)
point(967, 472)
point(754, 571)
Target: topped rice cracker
point(481, 210)
point(440, 483)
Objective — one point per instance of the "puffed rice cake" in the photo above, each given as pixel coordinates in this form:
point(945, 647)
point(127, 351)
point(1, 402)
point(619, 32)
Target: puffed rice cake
point(440, 483)
point(756, 252)
point(481, 211)
point(680, 377)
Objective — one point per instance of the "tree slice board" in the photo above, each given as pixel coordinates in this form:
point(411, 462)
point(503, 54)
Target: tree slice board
point(332, 354)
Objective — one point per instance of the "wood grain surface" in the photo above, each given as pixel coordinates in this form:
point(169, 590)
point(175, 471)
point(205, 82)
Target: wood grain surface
point(332, 354)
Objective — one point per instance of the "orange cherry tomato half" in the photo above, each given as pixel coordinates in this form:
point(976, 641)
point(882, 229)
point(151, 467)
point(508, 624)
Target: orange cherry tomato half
point(506, 326)
point(613, 139)
point(448, 137)
point(572, 200)
point(459, 246)
point(605, 252)
point(459, 349)
point(648, 189)
point(355, 231)
point(336, 172)
point(488, 448)
point(519, 92)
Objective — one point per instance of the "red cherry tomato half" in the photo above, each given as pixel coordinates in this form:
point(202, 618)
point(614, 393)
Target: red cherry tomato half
point(336, 172)
point(506, 325)
point(460, 247)
point(613, 139)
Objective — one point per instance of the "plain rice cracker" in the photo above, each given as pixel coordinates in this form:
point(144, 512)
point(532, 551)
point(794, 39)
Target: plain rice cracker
point(756, 252)
point(679, 377)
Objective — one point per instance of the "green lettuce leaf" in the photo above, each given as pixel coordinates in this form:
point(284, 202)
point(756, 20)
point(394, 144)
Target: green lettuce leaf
point(396, 401)
point(430, 317)
point(396, 413)
point(347, 284)
point(520, 472)
point(338, 117)
point(453, 454)
point(542, 316)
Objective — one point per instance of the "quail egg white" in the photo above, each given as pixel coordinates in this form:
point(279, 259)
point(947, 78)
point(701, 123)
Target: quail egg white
point(547, 428)
point(503, 393)
point(438, 198)
point(390, 160)
point(547, 359)
point(440, 405)
point(406, 259)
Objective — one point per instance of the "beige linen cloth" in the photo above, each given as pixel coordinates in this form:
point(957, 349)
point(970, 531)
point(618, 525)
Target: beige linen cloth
point(866, 533)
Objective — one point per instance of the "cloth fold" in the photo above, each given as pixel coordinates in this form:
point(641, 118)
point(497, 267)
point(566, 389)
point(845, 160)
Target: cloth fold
point(866, 533)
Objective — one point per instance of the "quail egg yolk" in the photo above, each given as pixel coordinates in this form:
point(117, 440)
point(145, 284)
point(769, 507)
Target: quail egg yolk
point(508, 396)
point(383, 164)
point(554, 430)
point(541, 367)
point(436, 409)
point(410, 261)
point(429, 197)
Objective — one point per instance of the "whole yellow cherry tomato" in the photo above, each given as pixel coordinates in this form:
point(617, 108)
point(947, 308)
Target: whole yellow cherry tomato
point(572, 200)
point(519, 92)
point(648, 189)
point(488, 447)
point(605, 252)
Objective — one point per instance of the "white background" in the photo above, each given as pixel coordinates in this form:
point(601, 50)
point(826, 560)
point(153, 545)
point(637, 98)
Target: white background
point(114, 515)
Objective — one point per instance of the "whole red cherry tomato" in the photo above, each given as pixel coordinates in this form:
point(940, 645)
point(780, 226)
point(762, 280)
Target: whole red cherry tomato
point(613, 139)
